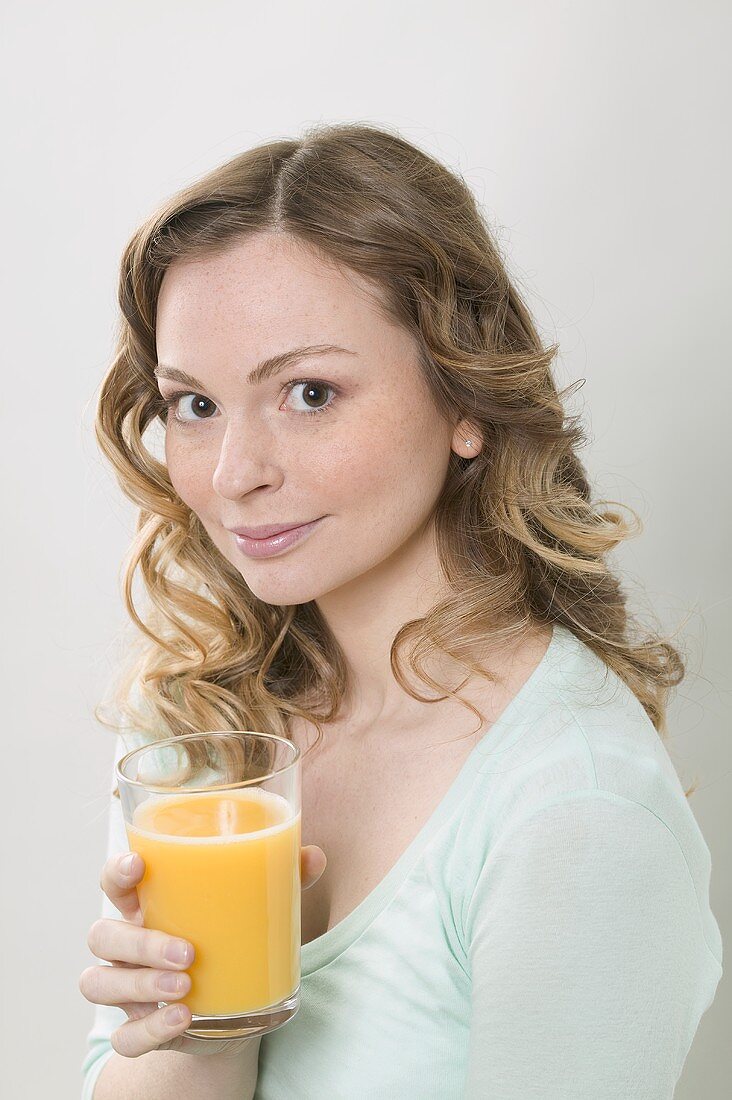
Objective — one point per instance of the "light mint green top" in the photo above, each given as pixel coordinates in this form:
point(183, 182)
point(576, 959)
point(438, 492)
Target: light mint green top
point(546, 934)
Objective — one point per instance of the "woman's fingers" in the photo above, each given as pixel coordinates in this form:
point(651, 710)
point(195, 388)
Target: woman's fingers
point(148, 1032)
point(312, 865)
point(117, 941)
point(144, 960)
point(114, 985)
point(120, 876)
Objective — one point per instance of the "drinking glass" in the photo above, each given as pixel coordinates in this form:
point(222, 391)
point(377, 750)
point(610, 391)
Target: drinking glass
point(216, 818)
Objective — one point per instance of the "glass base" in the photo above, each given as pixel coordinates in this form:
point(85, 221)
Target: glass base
point(242, 1024)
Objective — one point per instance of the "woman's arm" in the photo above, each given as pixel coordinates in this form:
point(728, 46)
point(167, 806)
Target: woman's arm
point(589, 965)
point(170, 1075)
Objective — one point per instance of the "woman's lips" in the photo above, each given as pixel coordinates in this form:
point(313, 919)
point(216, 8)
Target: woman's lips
point(266, 548)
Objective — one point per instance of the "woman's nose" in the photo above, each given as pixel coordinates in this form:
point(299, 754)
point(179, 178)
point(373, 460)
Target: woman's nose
point(241, 463)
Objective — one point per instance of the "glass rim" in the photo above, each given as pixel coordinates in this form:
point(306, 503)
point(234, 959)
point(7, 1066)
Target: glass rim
point(176, 739)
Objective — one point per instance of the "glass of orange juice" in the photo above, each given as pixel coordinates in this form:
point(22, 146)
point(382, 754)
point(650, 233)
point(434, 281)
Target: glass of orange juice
point(216, 818)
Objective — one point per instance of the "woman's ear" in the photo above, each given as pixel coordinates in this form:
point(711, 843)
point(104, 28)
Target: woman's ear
point(467, 440)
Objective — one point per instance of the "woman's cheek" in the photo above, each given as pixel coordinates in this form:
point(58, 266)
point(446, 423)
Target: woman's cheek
point(186, 475)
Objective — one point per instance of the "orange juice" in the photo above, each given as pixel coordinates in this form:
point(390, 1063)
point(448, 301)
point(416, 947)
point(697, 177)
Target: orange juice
point(223, 871)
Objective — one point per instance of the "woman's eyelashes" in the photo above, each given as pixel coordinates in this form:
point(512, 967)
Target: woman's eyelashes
point(312, 385)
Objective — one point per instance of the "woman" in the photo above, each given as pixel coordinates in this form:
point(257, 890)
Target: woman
point(516, 897)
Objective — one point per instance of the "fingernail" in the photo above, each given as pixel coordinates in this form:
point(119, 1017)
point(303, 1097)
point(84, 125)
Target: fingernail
point(170, 983)
point(127, 865)
point(174, 1015)
point(177, 952)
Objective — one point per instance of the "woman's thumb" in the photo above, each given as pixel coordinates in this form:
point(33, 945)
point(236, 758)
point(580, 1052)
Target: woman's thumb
point(313, 863)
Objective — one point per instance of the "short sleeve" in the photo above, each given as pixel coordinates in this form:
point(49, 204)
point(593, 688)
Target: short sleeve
point(587, 956)
point(107, 1018)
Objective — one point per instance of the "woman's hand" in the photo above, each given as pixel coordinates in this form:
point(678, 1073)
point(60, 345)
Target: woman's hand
point(143, 962)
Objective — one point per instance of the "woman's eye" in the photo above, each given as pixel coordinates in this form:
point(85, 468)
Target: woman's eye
point(313, 389)
point(312, 397)
point(199, 405)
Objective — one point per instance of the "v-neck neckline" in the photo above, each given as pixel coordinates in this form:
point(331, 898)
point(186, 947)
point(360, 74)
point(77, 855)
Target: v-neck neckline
point(322, 950)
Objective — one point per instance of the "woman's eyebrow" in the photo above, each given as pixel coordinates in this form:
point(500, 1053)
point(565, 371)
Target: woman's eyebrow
point(261, 372)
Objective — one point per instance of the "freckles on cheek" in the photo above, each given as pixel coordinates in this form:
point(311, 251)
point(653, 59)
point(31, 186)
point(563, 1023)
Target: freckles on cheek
point(372, 467)
point(328, 466)
point(186, 477)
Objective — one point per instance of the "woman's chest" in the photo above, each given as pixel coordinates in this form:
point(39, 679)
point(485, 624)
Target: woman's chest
point(365, 801)
point(364, 813)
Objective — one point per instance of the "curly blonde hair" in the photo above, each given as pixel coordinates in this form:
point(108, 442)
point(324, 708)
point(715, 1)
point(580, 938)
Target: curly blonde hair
point(520, 541)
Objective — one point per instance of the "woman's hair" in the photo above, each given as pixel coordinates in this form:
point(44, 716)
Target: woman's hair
point(520, 541)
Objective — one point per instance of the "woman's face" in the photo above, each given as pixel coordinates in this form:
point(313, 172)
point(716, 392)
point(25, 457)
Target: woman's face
point(371, 460)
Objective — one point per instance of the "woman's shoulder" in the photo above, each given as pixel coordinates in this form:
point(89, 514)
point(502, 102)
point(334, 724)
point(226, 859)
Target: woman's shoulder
point(579, 736)
point(578, 774)
point(583, 729)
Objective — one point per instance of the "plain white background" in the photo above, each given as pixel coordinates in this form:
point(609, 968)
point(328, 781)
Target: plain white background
point(594, 135)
